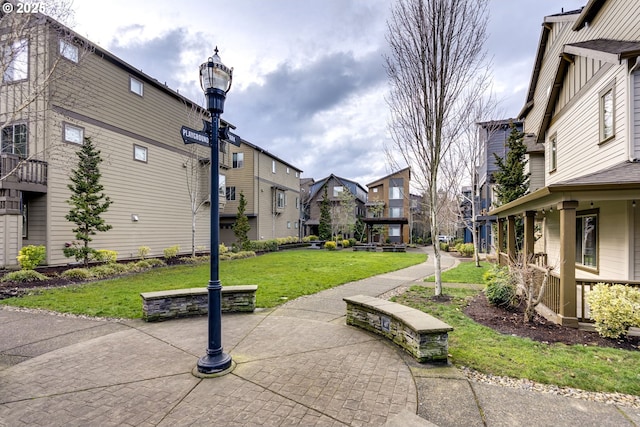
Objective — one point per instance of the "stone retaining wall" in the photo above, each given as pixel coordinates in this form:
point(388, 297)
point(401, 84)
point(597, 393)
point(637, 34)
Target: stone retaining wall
point(164, 305)
point(420, 334)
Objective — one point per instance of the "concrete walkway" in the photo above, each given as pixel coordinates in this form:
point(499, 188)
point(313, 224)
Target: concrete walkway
point(298, 364)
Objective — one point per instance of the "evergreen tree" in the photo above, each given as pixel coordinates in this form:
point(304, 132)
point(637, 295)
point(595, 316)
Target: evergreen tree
point(324, 229)
point(241, 227)
point(87, 202)
point(512, 182)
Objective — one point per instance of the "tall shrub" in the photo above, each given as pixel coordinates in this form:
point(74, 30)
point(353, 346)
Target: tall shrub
point(241, 227)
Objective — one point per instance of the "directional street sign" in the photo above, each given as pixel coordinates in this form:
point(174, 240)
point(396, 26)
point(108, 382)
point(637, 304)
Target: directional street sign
point(192, 136)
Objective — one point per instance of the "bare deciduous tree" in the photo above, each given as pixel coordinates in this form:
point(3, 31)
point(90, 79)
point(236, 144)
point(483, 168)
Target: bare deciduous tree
point(437, 54)
point(39, 61)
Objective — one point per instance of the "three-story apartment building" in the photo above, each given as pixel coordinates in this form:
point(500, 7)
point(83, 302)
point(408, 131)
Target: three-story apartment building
point(583, 108)
point(57, 89)
point(388, 208)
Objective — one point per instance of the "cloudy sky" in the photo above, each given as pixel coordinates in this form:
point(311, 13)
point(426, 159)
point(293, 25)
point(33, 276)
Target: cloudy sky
point(309, 83)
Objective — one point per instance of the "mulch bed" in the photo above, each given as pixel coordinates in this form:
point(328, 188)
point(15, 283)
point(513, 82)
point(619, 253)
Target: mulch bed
point(512, 322)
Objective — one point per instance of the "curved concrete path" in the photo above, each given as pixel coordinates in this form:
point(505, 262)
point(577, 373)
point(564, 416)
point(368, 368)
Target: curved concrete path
point(296, 365)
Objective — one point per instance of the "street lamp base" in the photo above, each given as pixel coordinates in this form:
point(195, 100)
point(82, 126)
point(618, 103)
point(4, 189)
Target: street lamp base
point(209, 364)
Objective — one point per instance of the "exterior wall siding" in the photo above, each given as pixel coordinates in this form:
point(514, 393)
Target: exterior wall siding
point(636, 241)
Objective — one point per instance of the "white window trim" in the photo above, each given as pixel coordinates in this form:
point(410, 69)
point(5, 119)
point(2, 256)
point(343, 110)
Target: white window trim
point(67, 127)
point(137, 151)
point(140, 84)
point(69, 51)
point(553, 152)
point(609, 89)
point(18, 52)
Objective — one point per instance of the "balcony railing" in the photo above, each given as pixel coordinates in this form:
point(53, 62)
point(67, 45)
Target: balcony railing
point(23, 174)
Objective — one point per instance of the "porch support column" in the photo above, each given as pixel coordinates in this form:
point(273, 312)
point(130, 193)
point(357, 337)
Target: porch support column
point(500, 242)
point(529, 240)
point(511, 238)
point(568, 303)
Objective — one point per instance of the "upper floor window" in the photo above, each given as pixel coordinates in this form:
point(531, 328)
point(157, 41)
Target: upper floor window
point(14, 139)
point(16, 56)
point(73, 134)
point(140, 153)
point(238, 160)
point(280, 200)
point(69, 50)
point(337, 190)
point(231, 193)
point(553, 153)
point(273, 166)
point(136, 86)
point(396, 212)
point(607, 129)
point(395, 193)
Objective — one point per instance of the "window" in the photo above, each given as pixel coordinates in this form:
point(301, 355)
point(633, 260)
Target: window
point(73, 134)
point(375, 190)
point(231, 193)
point(222, 181)
point(553, 153)
point(395, 193)
point(287, 170)
point(136, 86)
point(16, 56)
point(273, 166)
point(396, 212)
point(14, 140)
point(394, 231)
point(337, 190)
point(140, 153)
point(238, 160)
point(288, 224)
point(280, 200)
point(297, 174)
point(606, 114)
point(69, 50)
point(297, 203)
point(295, 224)
point(587, 238)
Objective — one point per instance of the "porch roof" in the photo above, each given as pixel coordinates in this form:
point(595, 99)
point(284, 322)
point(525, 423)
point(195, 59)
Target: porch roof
point(621, 182)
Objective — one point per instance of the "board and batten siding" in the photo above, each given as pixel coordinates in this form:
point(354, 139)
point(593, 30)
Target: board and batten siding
point(635, 119)
point(11, 232)
point(578, 133)
point(636, 241)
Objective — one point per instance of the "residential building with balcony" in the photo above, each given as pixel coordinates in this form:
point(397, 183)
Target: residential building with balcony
point(388, 208)
point(583, 110)
point(58, 88)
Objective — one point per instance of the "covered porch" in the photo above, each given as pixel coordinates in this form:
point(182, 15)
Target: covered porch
point(585, 231)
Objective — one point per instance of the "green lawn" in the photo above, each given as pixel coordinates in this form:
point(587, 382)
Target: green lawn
point(481, 348)
point(465, 272)
point(280, 276)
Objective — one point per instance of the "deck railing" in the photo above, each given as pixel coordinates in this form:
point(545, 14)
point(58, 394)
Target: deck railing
point(20, 173)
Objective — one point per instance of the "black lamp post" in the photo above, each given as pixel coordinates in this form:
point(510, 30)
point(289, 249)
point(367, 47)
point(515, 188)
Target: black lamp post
point(215, 79)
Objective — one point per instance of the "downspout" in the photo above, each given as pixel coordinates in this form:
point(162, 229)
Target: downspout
point(630, 117)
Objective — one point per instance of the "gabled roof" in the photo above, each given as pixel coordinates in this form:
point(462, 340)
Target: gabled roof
point(351, 185)
point(588, 13)
point(608, 50)
point(389, 176)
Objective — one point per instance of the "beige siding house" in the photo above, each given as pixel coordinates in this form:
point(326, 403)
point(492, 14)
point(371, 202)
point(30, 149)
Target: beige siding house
point(271, 187)
point(583, 107)
point(388, 208)
point(72, 90)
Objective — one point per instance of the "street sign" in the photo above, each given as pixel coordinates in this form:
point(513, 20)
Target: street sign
point(192, 136)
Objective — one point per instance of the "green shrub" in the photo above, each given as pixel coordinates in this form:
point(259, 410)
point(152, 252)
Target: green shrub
point(222, 249)
point(309, 238)
point(143, 264)
point(501, 287)
point(457, 242)
point(23, 276)
point(264, 245)
point(171, 252)
point(120, 268)
point(31, 256)
point(352, 241)
point(330, 245)
point(346, 243)
point(103, 271)
point(77, 274)
point(465, 249)
point(614, 308)
point(444, 247)
point(155, 262)
point(143, 251)
point(105, 255)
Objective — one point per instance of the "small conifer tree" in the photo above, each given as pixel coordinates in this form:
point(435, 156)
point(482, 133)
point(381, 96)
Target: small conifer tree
point(87, 202)
point(241, 227)
point(324, 228)
point(512, 182)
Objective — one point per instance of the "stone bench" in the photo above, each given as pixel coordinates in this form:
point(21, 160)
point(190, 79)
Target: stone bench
point(420, 334)
point(317, 244)
point(164, 305)
point(368, 248)
point(394, 248)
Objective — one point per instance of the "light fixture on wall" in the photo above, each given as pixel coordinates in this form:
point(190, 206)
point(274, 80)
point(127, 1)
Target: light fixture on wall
point(135, 217)
point(592, 203)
